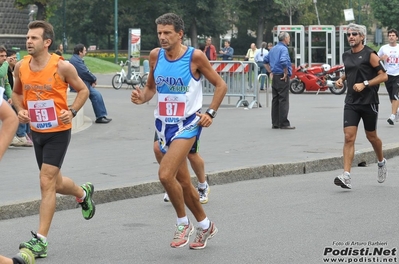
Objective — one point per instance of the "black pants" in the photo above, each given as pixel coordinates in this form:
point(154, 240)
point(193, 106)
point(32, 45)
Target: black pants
point(280, 101)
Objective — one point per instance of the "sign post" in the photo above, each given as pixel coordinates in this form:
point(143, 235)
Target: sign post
point(134, 50)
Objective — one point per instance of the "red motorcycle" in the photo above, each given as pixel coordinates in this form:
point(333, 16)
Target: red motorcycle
point(318, 78)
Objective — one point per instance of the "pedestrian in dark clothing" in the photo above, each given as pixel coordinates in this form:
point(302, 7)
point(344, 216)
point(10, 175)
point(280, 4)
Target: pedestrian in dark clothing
point(278, 63)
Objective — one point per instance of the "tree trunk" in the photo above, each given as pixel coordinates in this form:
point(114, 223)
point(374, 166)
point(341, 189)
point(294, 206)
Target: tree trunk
point(41, 11)
point(259, 31)
point(194, 34)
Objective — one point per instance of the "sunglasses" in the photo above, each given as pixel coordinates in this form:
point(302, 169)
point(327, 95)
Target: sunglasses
point(352, 33)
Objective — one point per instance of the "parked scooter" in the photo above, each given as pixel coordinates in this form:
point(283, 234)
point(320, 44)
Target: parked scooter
point(318, 78)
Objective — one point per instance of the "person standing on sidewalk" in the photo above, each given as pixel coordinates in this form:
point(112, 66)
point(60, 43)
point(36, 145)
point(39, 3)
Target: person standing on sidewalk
point(364, 71)
point(389, 53)
point(90, 80)
point(278, 63)
point(259, 57)
point(210, 50)
point(40, 97)
point(175, 76)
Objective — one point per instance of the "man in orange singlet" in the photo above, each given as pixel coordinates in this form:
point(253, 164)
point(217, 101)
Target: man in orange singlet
point(40, 97)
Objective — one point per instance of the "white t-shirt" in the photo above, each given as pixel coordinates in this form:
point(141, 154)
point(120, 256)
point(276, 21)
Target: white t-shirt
point(392, 62)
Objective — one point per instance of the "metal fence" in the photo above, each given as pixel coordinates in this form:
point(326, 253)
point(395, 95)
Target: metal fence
point(242, 82)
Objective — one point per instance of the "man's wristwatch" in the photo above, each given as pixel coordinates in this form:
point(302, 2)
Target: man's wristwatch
point(211, 112)
point(73, 111)
point(366, 83)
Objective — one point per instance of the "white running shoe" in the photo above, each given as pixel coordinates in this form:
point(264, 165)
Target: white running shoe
point(382, 171)
point(166, 197)
point(21, 142)
point(204, 193)
point(344, 181)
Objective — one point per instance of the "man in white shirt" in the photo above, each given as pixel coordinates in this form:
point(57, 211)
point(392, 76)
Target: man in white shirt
point(389, 53)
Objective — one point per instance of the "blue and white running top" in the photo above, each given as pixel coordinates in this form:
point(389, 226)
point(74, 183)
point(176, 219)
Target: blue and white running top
point(179, 98)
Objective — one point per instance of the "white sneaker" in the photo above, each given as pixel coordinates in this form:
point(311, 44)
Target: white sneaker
point(382, 171)
point(166, 197)
point(344, 181)
point(204, 193)
point(21, 142)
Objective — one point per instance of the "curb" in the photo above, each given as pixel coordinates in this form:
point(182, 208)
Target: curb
point(361, 158)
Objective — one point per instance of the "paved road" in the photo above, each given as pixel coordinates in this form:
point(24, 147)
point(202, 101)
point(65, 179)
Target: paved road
point(277, 220)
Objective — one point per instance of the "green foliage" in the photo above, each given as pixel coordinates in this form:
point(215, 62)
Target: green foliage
point(386, 11)
point(45, 7)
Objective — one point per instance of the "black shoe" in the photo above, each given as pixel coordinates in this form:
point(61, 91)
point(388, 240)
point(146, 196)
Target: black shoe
point(103, 120)
point(390, 121)
point(275, 127)
point(287, 127)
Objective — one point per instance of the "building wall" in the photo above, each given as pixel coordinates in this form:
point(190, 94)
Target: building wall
point(13, 24)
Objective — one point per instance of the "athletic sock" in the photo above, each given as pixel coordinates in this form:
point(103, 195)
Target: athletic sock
point(182, 220)
point(81, 200)
point(204, 224)
point(202, 185)
point(42, 238)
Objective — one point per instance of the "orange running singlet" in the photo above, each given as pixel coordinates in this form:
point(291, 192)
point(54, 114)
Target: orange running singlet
point(45, 94)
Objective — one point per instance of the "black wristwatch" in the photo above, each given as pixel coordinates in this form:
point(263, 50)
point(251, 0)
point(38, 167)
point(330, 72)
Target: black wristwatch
point(212, 113)
point(73, 111)
point(366, 83)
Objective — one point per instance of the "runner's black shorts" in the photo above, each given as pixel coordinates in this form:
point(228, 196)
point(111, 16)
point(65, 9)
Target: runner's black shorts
point(368, 113)
point(50, 148)
point(392, 85)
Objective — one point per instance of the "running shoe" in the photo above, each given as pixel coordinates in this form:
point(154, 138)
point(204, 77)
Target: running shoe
point(382, 171)
point(204, 193)
point(344, 181)
point(202, 236)
point(166, 197)
point(25, 256)
point(36, 246)
point(88, 206)
point(390, 121)
point(182, 235)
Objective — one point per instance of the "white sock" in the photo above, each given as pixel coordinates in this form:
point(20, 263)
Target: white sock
point(392, 117)
point(42, 238)
point(346, 173)
point(204, 224)
point(80, 200)
point(381, 163)
point(202, 185)
point(182, 220)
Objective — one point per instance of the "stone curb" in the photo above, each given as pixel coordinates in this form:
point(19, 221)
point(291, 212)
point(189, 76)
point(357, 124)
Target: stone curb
point(362, 158)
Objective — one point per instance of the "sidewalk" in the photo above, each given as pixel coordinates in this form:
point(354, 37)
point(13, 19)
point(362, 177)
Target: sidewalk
point(240, 145)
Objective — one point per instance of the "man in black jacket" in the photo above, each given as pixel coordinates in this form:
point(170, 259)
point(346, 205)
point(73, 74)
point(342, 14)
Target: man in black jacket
point(90, 80)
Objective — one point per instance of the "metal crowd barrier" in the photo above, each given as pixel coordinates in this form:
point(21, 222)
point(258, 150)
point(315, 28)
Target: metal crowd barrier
point(242, 81)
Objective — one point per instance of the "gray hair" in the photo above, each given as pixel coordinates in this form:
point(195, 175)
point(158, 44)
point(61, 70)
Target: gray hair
point(264, 45)
point(358, 28)
point(282, 35)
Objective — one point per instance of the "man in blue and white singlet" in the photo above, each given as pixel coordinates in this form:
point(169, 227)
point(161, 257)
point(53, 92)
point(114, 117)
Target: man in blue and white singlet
point(175, 76)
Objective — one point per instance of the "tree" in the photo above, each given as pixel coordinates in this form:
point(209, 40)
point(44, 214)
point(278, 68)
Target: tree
point(45, 8)
point(290, 6)
point(385, 11)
